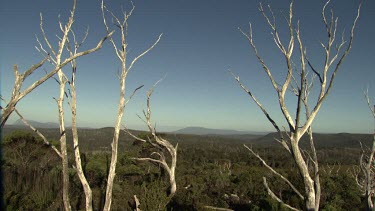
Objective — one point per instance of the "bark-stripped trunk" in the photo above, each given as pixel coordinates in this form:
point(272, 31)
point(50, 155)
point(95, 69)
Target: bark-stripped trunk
point(9, 108)
point(305, 174)
point(172, 176)
point(365, 177)
point(7, 111)
point(54, 56)
point(159, 143)
point(172, 170)
point(370, 182)
point(370, 177)
point(77, 155)
point(17, 95)
point(316, 176)
point(300, 85)
point(114, 145)
point(121, 54)
point(63, 148)
point(367, 184)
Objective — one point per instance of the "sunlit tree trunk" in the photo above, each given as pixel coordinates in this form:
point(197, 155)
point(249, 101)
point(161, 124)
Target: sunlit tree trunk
point(298, 82)
point(55, 57)
point(365, 176)
point(121, 53)
point(158, 156)
point(63, 148)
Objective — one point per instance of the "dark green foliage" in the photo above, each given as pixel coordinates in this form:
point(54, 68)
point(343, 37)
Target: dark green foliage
point(340, 193)
point(211, 171)
point(31, 173)
point(153, 195)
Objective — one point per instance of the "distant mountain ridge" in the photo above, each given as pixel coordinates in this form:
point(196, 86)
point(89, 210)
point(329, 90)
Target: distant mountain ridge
point(36, 124)
point(349, 140)
point(209, 131)
point(95, 138)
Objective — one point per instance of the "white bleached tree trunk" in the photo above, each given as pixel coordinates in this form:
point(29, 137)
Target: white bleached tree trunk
point(72, 48)
point(56, 58)
point(365, 176)
point(300, 80)
point(158, 157)
point(121, 53)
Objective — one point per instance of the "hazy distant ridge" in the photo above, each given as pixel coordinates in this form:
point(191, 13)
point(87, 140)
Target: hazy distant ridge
point(209, 131)
point(36, 124)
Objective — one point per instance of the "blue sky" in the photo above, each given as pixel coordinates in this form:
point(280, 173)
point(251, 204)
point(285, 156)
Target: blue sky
point(200, 42)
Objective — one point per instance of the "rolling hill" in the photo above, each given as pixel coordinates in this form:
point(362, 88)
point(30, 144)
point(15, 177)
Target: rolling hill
point(36, 124)
point(96, 139)
point(209, 131)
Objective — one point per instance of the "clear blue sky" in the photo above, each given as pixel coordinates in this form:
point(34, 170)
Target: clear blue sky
point(201, 42)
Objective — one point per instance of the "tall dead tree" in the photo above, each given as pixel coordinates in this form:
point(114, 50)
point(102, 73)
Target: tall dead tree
point(50, 55)
point(55, 57)
point(300, 80)
point(72, 48)
point(122, 55)
point(160, 144)
point(365, 177)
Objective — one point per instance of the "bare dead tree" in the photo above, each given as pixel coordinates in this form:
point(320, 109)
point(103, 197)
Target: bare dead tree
point(51, 56)
point(121, 53)
point(55, 56)
point(72, 48)
point(160, 144)
point(298, 81)
point(365, 175)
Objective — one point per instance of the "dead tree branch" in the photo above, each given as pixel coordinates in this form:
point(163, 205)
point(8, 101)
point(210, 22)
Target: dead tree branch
point(296, 80)
point(122, 55)
point(275, 172)
point(38, 133)
point(365, 176)
point(51, 56)
point(160, 143)
point(274, 196)
point(72, 48)
point(45, 140)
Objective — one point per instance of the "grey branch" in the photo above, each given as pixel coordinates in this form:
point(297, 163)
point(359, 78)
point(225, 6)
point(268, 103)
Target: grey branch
point(122, 55)
point(275, 172)
point(273, 195)
point(160, 143)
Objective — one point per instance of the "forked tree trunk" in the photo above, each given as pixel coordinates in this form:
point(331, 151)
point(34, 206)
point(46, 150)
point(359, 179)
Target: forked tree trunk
point(63, 148)
point(7, 111)
point(114, 145)
point(121, 54)
point(296, 80)
point(77, 154)
point(305, 174)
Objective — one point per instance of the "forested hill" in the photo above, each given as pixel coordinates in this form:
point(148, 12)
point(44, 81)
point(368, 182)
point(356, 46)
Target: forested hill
point(36, 124)
point(322, 140)
point(210, 131)
point(212, 170)
point(100, 139)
